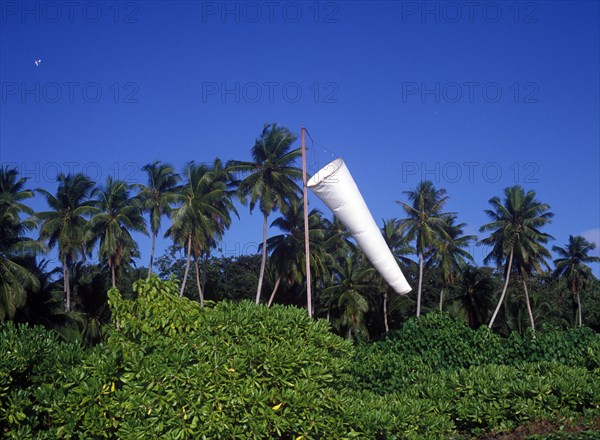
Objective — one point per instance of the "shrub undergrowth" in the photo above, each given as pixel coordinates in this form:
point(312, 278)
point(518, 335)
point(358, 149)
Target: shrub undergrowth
point(170, 369)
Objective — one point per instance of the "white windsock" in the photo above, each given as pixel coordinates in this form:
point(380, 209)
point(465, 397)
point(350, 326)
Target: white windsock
point(334, 185)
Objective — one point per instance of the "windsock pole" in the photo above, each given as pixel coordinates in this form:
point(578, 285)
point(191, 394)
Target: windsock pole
point(306, 246)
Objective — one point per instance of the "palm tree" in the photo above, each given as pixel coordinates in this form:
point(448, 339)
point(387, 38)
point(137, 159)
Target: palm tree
point(271, 179)
point(287, 249)
point(65, 225)
point(425, 223)
point(349, 293)
point(157, 197)
point(45, 305)
point(531, 264)
point(337, 242)
point(571, 265)
point(15, 278)
point(517, 313)
point(336, 246)
point(515, 235)
point(476, 288)
point(203, 216)
point(399, 247)
point(449, 253)
point(116, 216)
point(90, 287)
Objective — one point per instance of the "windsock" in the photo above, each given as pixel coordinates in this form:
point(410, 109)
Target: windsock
point(334, 185)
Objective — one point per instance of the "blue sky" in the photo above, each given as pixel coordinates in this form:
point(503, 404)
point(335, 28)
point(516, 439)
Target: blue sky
point(473, 96)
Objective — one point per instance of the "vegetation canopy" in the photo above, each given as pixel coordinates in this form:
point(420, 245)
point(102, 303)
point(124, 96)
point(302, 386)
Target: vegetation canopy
point(172, 369)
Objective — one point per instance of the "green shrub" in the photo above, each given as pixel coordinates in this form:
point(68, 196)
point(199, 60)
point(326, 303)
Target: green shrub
point(394, 416)
point(422, 346)
point(444, 342)
point(30, 358)
point(174, 370)
point(578, 347)
point(170, 369)
point(436, 342)
point(475, 379)
point(499, 396)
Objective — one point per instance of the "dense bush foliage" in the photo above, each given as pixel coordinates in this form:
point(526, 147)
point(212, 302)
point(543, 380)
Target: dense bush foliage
point(479, 381)
point(174, 370)
point(30, 360)
point(171, 369)
point(435, 342)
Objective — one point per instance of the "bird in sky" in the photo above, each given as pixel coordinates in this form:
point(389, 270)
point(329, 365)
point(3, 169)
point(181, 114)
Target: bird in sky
point(37, 62)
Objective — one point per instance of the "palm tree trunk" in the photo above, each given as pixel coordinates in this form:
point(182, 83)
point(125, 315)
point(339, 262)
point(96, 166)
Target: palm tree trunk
point(385, 312)
point(473, 321)
point(420, 283)
point(263, 262)
point(528, 306)
point(151, 255)
point(64, 264)
point(113, 276)
point(187, 265)
point(274, 292)
point(442, 299)
point(200, 293)
point(579, 315)
point(510, 258)
point(66, 286)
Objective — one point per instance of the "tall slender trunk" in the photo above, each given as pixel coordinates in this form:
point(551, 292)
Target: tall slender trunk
point(420, 283)
point(273, 292)
point(187, 265)
point(113, 276)
point(442, 299)
point(471, 314)
point(152, 255)
point(579, 314)
point(67, 286)
point(64, 264)
point(510, 258)
point(263, 262)
point(385, 311)
point(200, 293)
point(528, 305)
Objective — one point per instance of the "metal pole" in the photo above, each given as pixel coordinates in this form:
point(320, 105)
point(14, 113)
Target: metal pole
point(306, 246)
